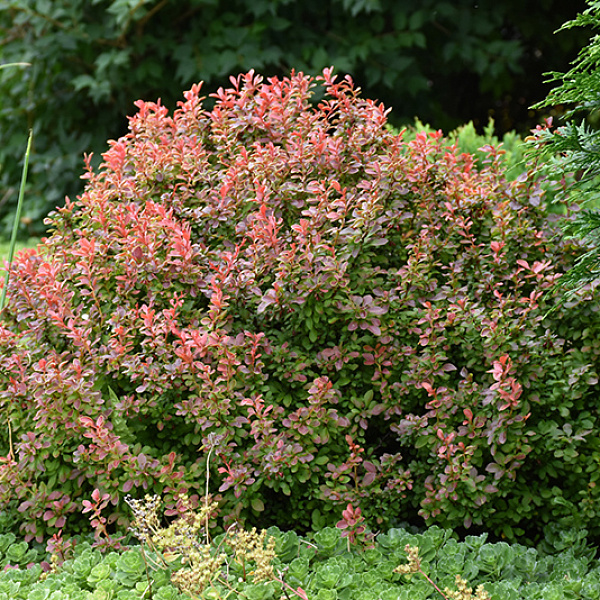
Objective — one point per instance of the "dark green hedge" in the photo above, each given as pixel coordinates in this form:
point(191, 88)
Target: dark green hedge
point(446, 62)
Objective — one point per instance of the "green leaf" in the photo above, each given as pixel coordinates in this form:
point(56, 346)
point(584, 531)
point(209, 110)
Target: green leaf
point(257, 504)
point(6, 539)
point(39, 594)
point(98, 573)
point(422, 441)
point(16, 552)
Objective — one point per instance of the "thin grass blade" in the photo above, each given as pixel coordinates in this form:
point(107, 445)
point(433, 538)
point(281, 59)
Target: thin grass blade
point(13, 238)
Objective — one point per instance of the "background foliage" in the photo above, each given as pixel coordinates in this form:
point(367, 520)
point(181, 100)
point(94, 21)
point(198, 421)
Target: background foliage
point(446, 62)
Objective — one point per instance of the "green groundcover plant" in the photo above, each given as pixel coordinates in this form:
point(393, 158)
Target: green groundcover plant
point(177, 562)
point(335, 315)
point(180, 560)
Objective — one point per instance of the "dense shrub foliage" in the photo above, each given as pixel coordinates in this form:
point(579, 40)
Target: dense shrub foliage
point(445, 61)
point(513, 157)
point(310, 309)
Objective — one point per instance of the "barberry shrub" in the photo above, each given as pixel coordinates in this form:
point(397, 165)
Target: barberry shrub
point(293, 302)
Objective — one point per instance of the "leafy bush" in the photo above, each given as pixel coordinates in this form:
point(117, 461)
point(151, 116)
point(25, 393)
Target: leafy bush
point(91, 58)
point(467, 139)
point(329, 314)
point(5, 248)
point(514, 154)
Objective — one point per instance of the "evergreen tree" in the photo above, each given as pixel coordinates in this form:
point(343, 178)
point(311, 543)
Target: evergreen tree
point(571, 152)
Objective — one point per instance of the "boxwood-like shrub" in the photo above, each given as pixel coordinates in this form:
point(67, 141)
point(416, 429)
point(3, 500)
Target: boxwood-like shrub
point(296, 301)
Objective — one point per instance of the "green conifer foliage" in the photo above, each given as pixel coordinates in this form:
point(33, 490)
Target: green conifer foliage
point(571, 152)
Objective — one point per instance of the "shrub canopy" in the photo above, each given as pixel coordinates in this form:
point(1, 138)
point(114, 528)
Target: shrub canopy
point(329, 314)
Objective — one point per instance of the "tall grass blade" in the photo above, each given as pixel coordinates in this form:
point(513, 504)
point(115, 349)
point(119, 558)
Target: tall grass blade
point(13, 238)
point(18, 64)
